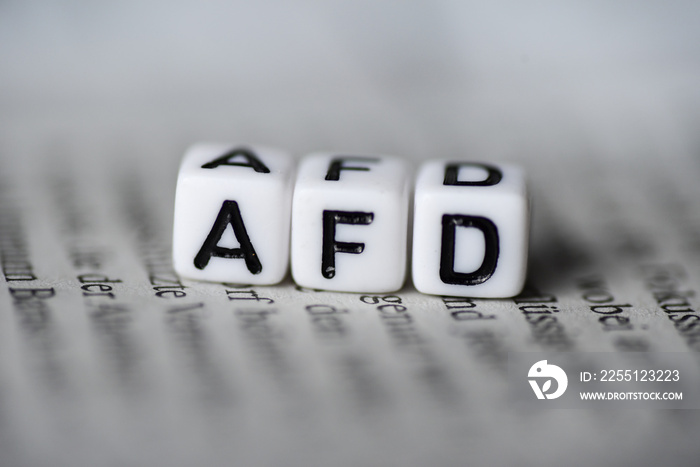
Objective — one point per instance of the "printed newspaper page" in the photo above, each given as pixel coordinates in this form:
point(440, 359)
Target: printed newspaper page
point(110, 358)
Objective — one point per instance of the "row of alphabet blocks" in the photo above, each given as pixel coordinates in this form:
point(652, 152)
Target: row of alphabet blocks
point(241, 213)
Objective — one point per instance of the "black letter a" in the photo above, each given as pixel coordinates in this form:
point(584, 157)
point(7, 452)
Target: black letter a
point(251, 160)
point(229, 214)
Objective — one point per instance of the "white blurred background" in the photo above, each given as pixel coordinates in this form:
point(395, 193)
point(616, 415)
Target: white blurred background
point(414, 78)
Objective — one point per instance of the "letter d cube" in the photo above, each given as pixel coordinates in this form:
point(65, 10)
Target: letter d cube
point(232, 214)
point(471, 225)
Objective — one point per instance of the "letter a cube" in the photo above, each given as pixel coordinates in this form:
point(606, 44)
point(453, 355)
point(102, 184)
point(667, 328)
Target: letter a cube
point(350, 223)
point(232, 214)
point(470, 234)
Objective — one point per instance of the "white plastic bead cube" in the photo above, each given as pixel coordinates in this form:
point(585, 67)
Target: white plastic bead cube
point(470, 229)
point(232, 214)
point(350, 223)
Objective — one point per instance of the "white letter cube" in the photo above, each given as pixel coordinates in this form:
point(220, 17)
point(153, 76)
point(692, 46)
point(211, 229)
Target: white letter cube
point(232, 214)
point(350, 223)
point(470, 229)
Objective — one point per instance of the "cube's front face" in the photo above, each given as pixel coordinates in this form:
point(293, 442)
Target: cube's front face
point(470, 239)
point(232, 216)
point(349, 228)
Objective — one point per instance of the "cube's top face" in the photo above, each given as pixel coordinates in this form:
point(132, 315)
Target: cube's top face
point(445, 176)
point(352, 173)
point(214, 161)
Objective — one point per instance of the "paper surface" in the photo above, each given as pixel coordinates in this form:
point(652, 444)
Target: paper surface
point(108, 358)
